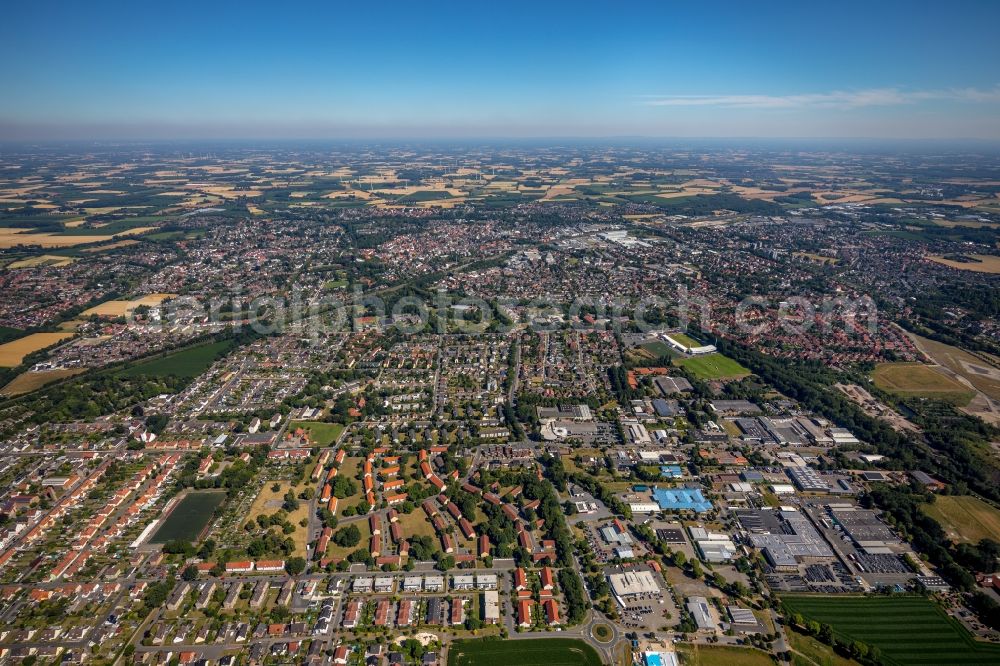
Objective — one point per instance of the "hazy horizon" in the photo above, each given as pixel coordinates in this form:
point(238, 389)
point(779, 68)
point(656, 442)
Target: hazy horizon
point(119, 71)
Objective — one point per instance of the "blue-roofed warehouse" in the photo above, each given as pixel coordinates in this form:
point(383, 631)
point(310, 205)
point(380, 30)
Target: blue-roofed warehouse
point(689, 499)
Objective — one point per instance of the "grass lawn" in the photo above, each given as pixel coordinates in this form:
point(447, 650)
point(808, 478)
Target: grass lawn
point(321, 434)
point(907, 630)
point(415, 523)
point(534, 652)
point(965, 518)
point(349, 468)
point(916, 379)
point(269, 501)
point(810, 652)
point(770, 499)
point(713, 366)
point(721, 655)
point(333, 550)
point(189, 362)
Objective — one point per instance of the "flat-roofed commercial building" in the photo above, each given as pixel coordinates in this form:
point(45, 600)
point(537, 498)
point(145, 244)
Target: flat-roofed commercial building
point(633, 584)
point(491, 607)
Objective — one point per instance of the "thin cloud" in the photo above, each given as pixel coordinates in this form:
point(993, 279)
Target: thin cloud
point(839, 99)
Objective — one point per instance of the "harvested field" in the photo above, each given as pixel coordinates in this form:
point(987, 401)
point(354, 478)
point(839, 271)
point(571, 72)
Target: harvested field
point(13, 353)
point(10, 237)
point(984, 263)
point(26, 382)
point(122, 308)
point(110, 246)
point(52, 260)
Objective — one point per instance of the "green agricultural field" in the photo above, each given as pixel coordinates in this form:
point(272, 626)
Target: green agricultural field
point(115, 226)
point(918, 380)
point(424, 195)
point(908, 631)
point(321, 434)
point(534, 652)
point(965, 518)
point(190, 517)
point(189, 362)
point(720, 655)
point(713, 366)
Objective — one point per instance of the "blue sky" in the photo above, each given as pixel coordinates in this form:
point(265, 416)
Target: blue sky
point(438, 69)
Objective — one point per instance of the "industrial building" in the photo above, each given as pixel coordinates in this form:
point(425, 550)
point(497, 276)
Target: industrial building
point(865, 529)
point(681, 499)
point(785, 538)
point(712, 546)
point(672, 385)
point(807, 479)
point(701, 613)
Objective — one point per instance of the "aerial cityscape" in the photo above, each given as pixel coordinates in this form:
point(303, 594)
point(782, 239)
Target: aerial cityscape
point(698, 369)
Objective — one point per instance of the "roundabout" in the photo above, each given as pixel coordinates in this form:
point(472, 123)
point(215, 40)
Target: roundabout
point(602, 633)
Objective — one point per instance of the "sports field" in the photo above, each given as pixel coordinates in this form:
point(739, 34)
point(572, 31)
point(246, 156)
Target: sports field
point(189, 362)
point(657, 348)
point(919, 380)
point(190, 517)
point(12, 353)
point(721, 655)
point(713, 366)
point(535, 652)
point(907, 631)
point(965, 518)
point(685, 340)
